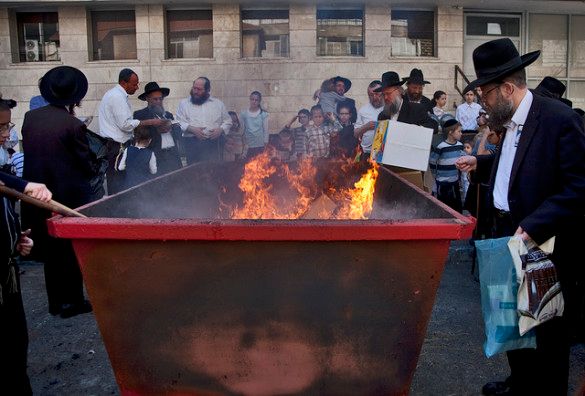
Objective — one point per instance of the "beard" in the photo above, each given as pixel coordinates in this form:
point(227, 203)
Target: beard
point(393, 107)
point(501, 112)
point(199, 100)
point(157, 109)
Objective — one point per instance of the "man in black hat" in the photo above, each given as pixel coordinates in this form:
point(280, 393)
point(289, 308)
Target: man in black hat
point(537, 191)
point(165, 138)
point(415, 84)
point(57, 154)
point(551, 88)
point(399, 109)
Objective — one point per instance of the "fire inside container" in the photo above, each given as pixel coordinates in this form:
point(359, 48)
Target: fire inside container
point(192, 301)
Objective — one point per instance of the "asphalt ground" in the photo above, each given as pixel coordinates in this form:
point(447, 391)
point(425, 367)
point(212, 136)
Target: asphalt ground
point(68, 357)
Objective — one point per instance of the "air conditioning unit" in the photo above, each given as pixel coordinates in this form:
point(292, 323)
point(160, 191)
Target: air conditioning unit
point(32, 50)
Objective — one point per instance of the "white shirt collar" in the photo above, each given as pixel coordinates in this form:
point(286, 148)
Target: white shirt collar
point(121, 89)
point(521, 113)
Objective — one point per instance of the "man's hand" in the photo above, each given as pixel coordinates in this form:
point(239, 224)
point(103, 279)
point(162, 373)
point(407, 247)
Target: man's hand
point(215, 133)
point(466, 163)
point(156, 122)
point(25, 244)
point(523, 235)
point(197, 132)
point(166, 127)
point(38, 191)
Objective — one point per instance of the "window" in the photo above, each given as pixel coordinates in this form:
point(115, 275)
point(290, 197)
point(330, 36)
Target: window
point(113, 35)
point(189, 34)
point(548, 33)
point(340, 32)
point(413, 33)
point(493, 25)
point(577, 38)
point(38, 36)
point(265, 33)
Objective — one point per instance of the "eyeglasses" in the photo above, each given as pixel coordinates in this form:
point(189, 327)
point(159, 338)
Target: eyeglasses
point(7, 126)
point(344, 114)
point(486, 93)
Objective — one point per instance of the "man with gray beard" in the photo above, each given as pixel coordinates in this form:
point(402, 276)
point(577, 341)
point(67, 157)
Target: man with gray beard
point(537, 191)
point(165, 138)
point(204, 120)
point(398, 109)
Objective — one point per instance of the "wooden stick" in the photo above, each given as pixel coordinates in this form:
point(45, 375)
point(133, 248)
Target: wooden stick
point(52, 206)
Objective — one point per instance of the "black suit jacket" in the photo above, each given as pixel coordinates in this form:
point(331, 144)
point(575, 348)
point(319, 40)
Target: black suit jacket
point(546, 193)
point(147, 114)
point(57, 154)
point(412, 113)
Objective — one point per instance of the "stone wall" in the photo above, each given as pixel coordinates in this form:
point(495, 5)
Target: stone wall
point(287, 84)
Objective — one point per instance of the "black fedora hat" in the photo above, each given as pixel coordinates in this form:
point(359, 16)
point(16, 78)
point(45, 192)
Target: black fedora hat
point(567, 102)
point(151, 87)
point(390, 79)
point(496, 59)
point(550, 87)
point(416, 77)
point(346, 82)
point(63, 85)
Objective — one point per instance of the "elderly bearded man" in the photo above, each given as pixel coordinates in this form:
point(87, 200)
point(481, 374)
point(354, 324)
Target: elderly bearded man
point(165, 138)
point(203, 119)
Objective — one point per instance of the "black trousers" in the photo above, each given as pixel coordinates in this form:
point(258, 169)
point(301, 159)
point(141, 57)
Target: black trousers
point(544, 370)
point(114, 178)
point(450, 195)
point(13, 340)
point(202, 150)
point(167, 160)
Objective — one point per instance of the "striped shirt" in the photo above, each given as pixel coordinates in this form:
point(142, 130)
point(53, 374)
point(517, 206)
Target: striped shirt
point(17, 162)
point(442, 161)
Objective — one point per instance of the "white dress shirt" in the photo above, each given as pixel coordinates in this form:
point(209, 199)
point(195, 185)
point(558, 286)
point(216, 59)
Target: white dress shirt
point(365, 114)
point(511, 139)
point(467, 114)
point(209, 115)
point(115, 115)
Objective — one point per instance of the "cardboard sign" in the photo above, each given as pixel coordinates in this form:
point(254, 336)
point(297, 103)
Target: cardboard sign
point(399, 144)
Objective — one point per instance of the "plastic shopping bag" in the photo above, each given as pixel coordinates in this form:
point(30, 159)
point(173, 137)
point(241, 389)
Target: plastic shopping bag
point(539, 296)
point(499, 289)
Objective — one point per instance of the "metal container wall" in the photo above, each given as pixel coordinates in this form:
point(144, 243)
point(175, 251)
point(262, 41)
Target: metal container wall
point(199, 306)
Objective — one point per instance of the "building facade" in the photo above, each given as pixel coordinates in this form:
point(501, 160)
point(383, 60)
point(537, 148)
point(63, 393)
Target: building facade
point(282, 49)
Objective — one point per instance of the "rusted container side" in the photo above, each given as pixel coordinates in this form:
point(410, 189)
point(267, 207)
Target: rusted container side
point(200, 306)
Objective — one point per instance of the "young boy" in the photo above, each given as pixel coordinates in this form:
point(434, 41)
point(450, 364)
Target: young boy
point(138, 161)
point(299, 134)
point(442, 164)
point(319, 134)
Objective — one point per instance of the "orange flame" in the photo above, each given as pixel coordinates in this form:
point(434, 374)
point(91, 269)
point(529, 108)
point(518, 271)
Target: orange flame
point(361, 197)
point(261, 201)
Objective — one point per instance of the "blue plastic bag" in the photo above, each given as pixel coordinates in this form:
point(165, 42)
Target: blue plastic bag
point(499, 290)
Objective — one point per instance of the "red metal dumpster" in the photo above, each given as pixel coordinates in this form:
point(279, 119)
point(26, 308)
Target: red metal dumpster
point(191, 305)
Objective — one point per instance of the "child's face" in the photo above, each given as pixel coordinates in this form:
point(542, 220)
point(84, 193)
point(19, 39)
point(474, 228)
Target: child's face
point(442, 101)
point(344, 115)
point(304, 119)
point(469, 97)
point(467, 148)
point(456, 134)
point(317, 117)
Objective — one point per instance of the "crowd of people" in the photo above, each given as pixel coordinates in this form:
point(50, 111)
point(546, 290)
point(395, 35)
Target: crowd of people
point(513, 157)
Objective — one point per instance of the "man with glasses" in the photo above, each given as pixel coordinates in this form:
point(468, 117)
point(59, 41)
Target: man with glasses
point(165, 138)
point(537, 191)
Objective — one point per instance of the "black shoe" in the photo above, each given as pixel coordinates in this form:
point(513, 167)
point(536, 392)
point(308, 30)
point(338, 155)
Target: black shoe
point(497, 388)
point(70, 310)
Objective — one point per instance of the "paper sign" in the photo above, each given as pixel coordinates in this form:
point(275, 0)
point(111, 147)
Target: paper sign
point(404, 145)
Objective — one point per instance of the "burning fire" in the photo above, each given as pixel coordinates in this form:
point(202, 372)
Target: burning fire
point(275, 191)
